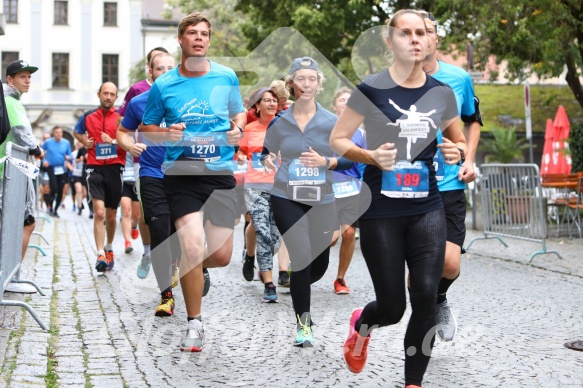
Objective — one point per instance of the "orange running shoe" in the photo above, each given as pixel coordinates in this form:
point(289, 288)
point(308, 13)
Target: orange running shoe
point(135, 233)
point(128, 247)
point(340, 287)
point(355, 346)
point(101, 264)
point(109, 256)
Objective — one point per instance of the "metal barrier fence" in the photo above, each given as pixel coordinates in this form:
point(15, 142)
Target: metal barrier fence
point(14, 189)
point(513, 204)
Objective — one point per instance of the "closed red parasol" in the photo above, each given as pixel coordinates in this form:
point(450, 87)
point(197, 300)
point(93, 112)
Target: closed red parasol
point(561, 159)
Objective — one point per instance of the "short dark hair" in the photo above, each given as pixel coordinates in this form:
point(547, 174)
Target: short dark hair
point(149, 56)
point(193, 19)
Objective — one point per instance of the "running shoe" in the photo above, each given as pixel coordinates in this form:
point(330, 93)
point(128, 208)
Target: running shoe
point(207, 281)
point(79, 211)
point(355, 346)
point(446, 323)
point(284, 279)
point(166, 307)
point(340, 287)
point(56, 215)
point(101, 264)
point(304, 337)
point(135, 233)
point(269, 294)
point(175, 275)
point(109, 259)
point(74, 207)
point(91, 214)
point(193, 338)
point(248, 267)
point(128, 247)
point(144, 267)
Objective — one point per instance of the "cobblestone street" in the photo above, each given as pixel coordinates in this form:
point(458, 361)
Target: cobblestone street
point(513, 321)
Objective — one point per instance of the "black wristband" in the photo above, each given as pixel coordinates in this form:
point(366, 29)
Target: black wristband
point(35, 151)
point(462, 155)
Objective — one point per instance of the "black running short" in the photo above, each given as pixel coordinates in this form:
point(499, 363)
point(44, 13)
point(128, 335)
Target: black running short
point(130, 190)
point(347, 211)
point(188, 194)
point(454, 204)
point(105, 183)
point(153, 198)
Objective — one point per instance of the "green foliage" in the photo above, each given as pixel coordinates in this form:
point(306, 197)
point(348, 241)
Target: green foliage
point(138, 71)
point(535, 37)
point(576, 147)
point(504, 147)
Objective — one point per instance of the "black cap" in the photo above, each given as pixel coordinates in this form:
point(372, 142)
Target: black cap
point(18, 66)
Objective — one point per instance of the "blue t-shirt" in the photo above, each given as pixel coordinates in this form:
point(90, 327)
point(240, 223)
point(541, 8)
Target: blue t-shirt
point(56, 152)
point(461, 83)
point(205, 104)
point(152, 158)
point(410, 118)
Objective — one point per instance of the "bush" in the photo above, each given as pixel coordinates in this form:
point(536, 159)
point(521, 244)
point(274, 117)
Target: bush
point(576, 147)
point(505, 147)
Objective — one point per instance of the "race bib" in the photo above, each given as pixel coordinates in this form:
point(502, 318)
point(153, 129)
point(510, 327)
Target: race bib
point(204, 148)
point(439, 166)
point(59, 170)
point(256, 162)
point(240, 168)
point(345, 189)
point(128, 174)
point(78, 169)
point(105, 151)
point(302, 175)
point(406, 181)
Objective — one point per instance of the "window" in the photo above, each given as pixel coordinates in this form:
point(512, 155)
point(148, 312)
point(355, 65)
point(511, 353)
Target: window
point(110, 68)
point(110, 14)
point(60, 70)
point(61, 11)
point(11, 11)
point(7, 58)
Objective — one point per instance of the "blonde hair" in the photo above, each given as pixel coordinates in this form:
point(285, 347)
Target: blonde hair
point(191, 20)
point(278, 86)
point(341, 91)
point(288, 79)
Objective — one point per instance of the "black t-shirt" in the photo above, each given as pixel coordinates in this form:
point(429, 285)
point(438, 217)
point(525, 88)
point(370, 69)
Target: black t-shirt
point(410, 118)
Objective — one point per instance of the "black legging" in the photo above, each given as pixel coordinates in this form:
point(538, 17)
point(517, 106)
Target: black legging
point(56, 182)
point(387, 244)
point(307, 233)
point(165, 248)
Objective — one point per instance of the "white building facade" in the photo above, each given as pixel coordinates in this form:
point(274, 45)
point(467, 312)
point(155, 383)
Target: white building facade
point(78, 45)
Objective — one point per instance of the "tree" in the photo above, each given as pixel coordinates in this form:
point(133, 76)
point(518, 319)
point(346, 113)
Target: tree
point(540, 36)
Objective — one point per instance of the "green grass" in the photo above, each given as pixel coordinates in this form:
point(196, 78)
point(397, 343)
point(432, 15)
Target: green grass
point(509, 99)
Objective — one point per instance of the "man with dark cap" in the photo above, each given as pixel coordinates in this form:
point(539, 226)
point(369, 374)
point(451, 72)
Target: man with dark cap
point(18, 77)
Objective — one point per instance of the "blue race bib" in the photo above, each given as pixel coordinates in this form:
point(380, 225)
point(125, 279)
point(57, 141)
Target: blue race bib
point(105, 151)
point(406, 180)
point(59, 170)
point(302, 175)
point(439, 166)
point(345, 189)
point(205, 148)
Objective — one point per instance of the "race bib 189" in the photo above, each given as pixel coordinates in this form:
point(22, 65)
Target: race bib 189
point(302, 175)
point(406, 181)
point(105, 151)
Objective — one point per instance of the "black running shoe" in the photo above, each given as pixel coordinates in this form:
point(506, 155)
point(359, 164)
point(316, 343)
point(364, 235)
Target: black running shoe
point(284, 279)
point(249, 268)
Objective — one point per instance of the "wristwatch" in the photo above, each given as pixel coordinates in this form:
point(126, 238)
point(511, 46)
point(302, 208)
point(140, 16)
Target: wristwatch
point(114, 142)
point(327, 161)
point(462, 155)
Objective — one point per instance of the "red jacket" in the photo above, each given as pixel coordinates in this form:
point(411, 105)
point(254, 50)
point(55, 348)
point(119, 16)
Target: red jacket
point(94, 123)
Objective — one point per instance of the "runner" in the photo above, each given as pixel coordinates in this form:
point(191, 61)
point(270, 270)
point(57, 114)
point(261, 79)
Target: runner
point(201, 104)
point(451, 180)
point(130, 205)
point(302, 198)
point(105, 161)
point(156, 211)
point(56, 163)
point(258, 185)
point(78, 178)
point(346, 188)
point(402, 109)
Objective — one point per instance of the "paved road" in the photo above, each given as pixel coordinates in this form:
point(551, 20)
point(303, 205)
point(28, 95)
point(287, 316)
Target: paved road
point(513, 320)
